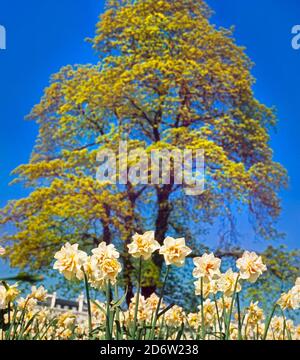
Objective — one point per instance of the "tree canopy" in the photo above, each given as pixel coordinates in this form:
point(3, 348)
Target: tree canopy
point(166, 78)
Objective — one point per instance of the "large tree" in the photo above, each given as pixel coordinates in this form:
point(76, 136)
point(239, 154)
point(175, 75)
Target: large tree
point(166, 78)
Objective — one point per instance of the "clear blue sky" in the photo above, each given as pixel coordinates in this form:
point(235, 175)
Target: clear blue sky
point(44, 35)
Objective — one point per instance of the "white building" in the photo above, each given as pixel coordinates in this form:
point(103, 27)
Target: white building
point(59, 306)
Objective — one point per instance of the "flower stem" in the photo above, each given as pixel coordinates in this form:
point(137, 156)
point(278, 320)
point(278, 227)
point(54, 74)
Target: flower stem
point(108, 330)
point(231, 308)
point(137, 300)
point(202, 310)
point(269, 321)
point(117, 310)
point(88, 299)
point(159, 304)
point(239, 317)
point(218, 314)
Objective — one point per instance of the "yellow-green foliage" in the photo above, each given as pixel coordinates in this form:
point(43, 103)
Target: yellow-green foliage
point(166, 78)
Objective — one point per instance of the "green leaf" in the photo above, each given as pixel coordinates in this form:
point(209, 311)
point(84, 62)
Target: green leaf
point(180, 332)
point(119, 302)
point(99, 307)
point(165, 310)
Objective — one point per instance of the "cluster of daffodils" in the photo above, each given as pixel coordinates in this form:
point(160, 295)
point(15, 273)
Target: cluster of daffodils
point(211, 280)
point(103, 265)
point(17, 312)
point(291, 299)
point(174, 250)
point(100, 268)
point(220, 314)
point(220, 310)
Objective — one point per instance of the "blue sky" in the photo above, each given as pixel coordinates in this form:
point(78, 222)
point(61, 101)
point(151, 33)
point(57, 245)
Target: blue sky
point(44, 35)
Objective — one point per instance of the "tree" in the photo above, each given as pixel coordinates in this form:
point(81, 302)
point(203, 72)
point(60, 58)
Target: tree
point(166, 79)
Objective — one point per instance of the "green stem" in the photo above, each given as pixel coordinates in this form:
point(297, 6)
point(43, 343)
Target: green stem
point(159, 304)
point(246, 329)
point(117, 310)
point(239, 317)
point(202, 310)
point(20, 322)
point(231, 308)
point(269, 321)
point(137, 300)
point(285, 329)
point(88, 299)
point(218, 314)
point(108, 330)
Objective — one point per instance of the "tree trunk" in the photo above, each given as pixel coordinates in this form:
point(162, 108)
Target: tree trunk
point(162, 219)
point(129, 225)
point(128, 269)
point(105, 224)
point(161, 228)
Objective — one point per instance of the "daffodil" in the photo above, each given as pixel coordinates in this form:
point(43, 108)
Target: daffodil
point(27, 303)
point(297, 333)
point(103, 265)
point(70, 261)
point(251, 266)
point(39, 294)
point(175, 316)
point(227, 283)
point(277, 326)
point(100, 272)
point(194, 320)
point(97, 280)
point(12, 292)
point(143, 245)
point(98, 311)
point(174, 251)
point(152, 302)
point(210, 287)
point(209, 310)
point(296, 293)
point(110, 268)
point(8, 294)
point(207, 266)
point(66, 320)
point(3, 300)
point(142, 313)
point(288, 300)
point(104, 251)
point(254, 314)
